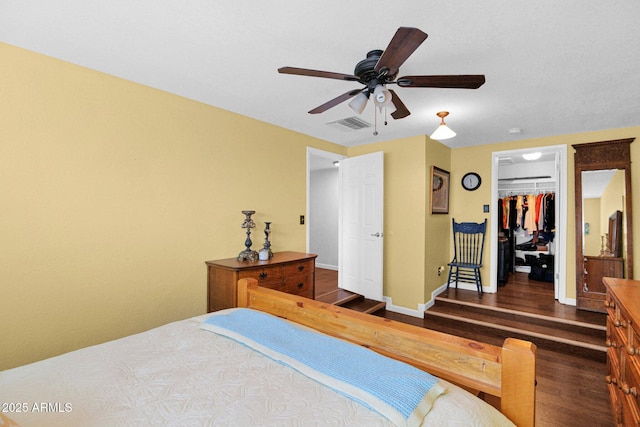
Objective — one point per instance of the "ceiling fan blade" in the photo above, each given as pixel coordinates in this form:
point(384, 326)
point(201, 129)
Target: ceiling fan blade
point(316, 73)
point(401, 110)
point(469, 81)
point(335, 101)
point(402, 45)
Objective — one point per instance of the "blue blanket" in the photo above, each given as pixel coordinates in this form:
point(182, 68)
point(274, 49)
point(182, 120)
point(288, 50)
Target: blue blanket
point(401, 393)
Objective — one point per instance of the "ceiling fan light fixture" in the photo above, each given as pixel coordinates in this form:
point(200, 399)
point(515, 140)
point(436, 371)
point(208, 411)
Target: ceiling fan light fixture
point(381, 96)
point(358, 103)
point(443, 131)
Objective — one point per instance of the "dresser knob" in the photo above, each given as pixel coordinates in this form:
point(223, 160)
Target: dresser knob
point(300, 267)
point(300, 285)
point(629, 390)
point(263, 275)
point(620, 323)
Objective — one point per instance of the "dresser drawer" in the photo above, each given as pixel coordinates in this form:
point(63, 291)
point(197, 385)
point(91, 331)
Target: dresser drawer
point(266, 277)
point(299, 278)
point(630, 387)
point(629, 415)
point(299, 284)
point(616, 405)
point(297, 268)
point(616, 336)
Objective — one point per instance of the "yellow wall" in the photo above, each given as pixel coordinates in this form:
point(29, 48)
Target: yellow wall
point(438, 238)
point(112, 196)
point(591, 214)
point(469, 204)
point(416, 243)
point(404, 227)
point(612, 200)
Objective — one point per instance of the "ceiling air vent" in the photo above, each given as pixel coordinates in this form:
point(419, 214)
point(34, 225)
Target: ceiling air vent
point(350, 124)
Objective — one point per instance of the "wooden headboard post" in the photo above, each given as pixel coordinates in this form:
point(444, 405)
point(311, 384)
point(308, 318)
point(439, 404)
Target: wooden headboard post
point(506, 372)
point(518, 400)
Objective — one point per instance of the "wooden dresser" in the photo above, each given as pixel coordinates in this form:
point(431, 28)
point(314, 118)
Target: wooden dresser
point(291, 272)
point(623, 353)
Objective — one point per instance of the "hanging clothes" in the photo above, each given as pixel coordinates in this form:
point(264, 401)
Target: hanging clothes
point(539, 212)
point(531, 212)
point(531, 225)
point(550, 213)
point(519, 208)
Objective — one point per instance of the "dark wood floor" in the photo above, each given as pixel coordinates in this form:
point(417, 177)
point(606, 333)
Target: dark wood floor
point(571, 390)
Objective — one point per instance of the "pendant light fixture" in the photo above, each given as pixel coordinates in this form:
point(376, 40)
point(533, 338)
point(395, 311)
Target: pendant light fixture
point(443, 131)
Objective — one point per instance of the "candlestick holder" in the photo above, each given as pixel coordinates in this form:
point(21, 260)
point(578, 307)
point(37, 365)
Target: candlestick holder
point(248, 254)
point(265, 252)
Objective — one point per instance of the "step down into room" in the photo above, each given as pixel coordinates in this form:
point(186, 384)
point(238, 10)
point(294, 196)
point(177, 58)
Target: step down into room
point(352, 301)
point(470, 318)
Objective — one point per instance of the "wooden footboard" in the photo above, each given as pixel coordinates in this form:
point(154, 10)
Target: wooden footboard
point(506, 372)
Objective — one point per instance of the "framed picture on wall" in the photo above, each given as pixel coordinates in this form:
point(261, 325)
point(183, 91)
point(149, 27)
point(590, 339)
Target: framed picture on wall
point(439, 201)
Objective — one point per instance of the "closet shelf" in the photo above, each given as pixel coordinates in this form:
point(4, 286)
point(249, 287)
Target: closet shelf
point(516, 188)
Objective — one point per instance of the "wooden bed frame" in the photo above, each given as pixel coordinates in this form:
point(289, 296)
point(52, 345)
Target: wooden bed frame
point(505, 376)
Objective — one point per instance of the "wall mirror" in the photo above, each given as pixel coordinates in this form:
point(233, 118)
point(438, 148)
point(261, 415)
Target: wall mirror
point(604, 246)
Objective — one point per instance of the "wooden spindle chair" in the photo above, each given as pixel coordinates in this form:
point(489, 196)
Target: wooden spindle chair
point(468, 247)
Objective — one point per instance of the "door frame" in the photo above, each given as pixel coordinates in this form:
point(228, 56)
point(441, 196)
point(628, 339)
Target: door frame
point(560, 281)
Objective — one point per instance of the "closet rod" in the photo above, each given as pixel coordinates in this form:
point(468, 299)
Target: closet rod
point(524, 178)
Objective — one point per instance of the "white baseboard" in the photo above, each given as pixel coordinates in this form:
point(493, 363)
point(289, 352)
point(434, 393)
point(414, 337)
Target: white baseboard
point(327, 266)
point(421, 307)
point(403, 310)
point(466, 286)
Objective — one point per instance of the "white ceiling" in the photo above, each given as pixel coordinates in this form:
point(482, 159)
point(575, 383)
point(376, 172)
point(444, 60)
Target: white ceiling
point(551, 67)
point(595, 182)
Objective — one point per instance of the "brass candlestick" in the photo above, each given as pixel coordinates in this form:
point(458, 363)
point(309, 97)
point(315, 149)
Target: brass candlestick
point(267, 244)
point(248, 254)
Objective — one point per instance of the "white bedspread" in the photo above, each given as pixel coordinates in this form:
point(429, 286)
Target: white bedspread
point(181, 375)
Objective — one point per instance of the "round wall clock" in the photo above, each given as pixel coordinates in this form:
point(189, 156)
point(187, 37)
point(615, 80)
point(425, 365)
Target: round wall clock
point(471, 181)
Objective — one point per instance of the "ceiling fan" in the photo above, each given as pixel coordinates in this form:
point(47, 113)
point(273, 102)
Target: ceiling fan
point(379, 69)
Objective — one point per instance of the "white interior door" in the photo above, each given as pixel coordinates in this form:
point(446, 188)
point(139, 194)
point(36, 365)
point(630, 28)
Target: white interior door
point(361, 225)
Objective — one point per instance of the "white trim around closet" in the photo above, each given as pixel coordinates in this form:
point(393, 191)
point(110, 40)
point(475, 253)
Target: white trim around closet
point(560, 281)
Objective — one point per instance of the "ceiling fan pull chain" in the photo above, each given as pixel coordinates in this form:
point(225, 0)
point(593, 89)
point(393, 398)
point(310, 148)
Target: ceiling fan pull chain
point(375, 123)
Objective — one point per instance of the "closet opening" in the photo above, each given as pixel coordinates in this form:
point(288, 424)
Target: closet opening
point(529, 218)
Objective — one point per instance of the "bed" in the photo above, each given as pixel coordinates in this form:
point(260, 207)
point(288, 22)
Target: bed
point(203, 371)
